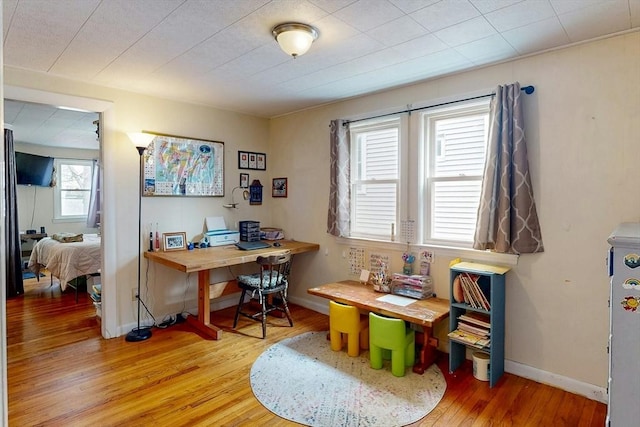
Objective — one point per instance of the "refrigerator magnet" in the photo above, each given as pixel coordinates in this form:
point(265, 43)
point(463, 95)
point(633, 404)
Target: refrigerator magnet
point(631, 283)
point(630, 303)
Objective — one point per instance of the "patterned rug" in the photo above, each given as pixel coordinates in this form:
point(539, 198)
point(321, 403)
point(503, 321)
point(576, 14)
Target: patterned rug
point(302, 380)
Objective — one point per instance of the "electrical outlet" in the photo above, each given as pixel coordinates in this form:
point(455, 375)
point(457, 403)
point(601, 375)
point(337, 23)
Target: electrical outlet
point(134, 294)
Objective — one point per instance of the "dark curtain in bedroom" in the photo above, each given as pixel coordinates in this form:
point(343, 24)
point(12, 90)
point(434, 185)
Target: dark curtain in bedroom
point(15, 285)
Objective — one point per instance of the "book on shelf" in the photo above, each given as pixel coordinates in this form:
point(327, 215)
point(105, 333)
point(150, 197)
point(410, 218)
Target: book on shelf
point(469, 338)
point(476, 319)
point(477, 298)
point(476, 330)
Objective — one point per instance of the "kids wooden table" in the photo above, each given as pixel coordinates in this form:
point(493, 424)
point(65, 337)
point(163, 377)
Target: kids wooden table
point(420, 312)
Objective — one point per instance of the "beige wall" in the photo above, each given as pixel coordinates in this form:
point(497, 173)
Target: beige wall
point(582, 127)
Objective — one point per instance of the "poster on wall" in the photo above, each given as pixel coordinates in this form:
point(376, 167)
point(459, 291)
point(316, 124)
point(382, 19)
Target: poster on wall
point(177, 166)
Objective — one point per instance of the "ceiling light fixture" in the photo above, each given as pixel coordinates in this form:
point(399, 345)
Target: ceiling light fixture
point(294, 38)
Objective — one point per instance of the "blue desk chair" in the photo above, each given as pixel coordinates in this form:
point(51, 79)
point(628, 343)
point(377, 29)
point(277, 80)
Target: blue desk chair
point(271, 279)
point(391, 338)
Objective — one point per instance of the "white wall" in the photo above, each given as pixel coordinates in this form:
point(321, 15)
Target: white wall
point(582, 127)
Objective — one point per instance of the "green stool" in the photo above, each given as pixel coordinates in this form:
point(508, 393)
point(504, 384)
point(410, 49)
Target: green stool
point(391, 338)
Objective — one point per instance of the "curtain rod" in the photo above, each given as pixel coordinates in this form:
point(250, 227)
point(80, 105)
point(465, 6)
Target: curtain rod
point(527, 89)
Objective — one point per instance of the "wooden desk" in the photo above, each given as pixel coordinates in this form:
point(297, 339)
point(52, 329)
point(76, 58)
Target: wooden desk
point(421, 312)
point(203, 260)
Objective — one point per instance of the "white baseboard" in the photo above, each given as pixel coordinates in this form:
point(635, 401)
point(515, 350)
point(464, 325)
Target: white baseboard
point(571, 385)
point(587, 390)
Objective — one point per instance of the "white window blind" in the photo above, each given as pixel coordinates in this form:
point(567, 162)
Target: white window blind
point(374, 179)
point(457, 140)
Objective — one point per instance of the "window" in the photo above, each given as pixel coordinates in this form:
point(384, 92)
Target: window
point(375, 178)
point(456, 142)
point(433, 178)
point(73, 189)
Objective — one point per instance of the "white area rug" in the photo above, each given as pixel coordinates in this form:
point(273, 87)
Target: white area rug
point(302, 380)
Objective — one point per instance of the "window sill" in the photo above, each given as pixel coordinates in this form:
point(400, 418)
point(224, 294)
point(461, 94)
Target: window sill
point(439, 250)
point(67, 220)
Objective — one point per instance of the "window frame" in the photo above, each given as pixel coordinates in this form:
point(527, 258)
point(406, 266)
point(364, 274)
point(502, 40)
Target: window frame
point(57, 196)
point(417, 154)
point(401, 124)
point(429, 142)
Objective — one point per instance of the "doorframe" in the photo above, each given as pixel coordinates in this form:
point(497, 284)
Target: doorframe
point(107, 225)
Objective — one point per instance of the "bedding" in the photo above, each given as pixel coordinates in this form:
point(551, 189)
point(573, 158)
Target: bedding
point(66, 261)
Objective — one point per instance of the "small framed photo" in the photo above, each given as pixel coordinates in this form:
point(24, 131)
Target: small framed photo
point(243, 160)
point(261, 161)
point(279, 187)
point(253, 160)
point(244, 180)
point(174, 241)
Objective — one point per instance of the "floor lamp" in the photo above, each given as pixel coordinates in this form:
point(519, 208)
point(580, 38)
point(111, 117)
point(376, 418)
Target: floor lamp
point(141, 140)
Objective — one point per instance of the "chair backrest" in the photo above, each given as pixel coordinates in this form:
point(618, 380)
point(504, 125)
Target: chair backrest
point(343, 315)
point(386, 331)
point(274, 269)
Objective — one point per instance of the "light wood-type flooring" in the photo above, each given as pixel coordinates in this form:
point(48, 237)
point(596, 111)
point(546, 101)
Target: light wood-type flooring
point(62, 373)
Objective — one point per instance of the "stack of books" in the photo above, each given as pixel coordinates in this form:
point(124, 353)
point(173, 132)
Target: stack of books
point(473, 329)
point(96, 294)
point(412, 286)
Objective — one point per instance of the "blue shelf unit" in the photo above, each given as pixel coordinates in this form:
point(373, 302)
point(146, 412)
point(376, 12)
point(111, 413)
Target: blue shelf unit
point(492, 283)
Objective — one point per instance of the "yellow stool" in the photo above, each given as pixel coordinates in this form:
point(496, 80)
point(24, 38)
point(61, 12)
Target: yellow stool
point(345, 319)
point(391, 337)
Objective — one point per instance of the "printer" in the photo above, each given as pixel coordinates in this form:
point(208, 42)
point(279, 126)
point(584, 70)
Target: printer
point(217, 232)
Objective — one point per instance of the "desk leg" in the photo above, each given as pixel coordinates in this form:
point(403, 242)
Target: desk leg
point(427, 345)
point(203, 322)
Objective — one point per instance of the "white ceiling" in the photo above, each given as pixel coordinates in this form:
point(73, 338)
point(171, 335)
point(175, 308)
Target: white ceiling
point(221, 53)
point(49, 125)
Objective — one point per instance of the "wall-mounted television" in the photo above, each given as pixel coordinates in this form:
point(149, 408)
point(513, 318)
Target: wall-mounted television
point(34, 170)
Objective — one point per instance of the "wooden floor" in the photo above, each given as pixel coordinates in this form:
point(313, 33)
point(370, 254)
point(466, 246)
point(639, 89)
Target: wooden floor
point(62, 373)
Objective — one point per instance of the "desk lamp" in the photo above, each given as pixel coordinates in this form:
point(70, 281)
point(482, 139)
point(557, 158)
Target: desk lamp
point(233, 204)
point(141, 140)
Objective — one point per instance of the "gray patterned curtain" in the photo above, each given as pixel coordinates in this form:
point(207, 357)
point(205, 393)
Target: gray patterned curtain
point(15, 286)
point(507, 218)
point(339, 191)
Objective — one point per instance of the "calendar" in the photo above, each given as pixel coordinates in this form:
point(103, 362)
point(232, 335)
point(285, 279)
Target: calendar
point(408, 230)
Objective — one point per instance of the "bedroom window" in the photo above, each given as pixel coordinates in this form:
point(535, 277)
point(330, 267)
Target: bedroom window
point(73, 189)
point(433, 177)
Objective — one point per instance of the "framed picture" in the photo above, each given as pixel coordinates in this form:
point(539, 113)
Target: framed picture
point(243, 160)
point(177, 166)
point(244, 180)
point(250, 160)
point(261, 161)
point(279, 187)
point(174, 241)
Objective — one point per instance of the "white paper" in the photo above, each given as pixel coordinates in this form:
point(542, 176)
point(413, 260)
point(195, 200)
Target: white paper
point(396, 300)
point(215, 223)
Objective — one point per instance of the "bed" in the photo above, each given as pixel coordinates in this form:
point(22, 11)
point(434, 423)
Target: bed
point(66, 261)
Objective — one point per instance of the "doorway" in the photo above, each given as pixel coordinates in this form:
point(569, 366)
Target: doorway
point(106, 118)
